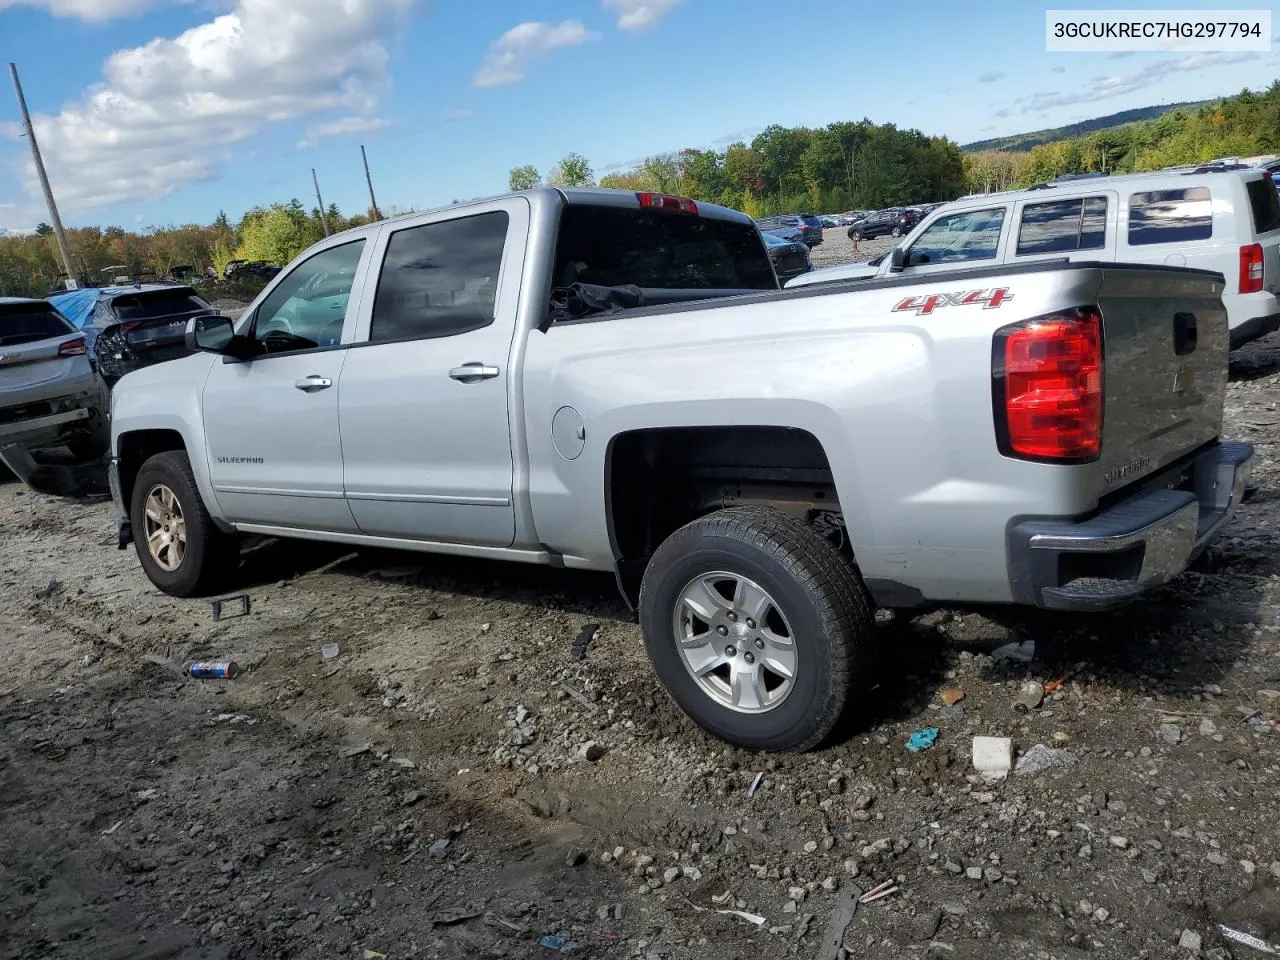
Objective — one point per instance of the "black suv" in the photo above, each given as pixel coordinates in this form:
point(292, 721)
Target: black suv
point(893, 222)
point(804, 227)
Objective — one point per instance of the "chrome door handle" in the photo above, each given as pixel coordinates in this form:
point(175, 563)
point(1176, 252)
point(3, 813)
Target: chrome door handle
point(473, 372)
point(313, 383)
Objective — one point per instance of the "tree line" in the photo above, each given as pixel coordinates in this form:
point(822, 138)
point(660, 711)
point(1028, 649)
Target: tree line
point(1245, 125)
point(30, 266)
point(841, 166)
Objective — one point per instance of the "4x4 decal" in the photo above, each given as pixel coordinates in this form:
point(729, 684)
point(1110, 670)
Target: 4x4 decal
point(922, 306)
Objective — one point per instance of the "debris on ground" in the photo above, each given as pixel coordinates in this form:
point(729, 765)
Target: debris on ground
point(1041, 758)
point(1189, 940)
point(1030, 696)
point(451, 915)
point(1248, 939)
point(922, 739)
point(241, 608)
point(552, 942)
point(950, 696)
point(329, 651)
point(845, 909)
point(755, 783)
point(48, 590)
point(584, 639)
point(215, 670)
point(1023, 651)
point(993, 756)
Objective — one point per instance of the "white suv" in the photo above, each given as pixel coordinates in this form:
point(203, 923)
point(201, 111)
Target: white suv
point(1226, 221)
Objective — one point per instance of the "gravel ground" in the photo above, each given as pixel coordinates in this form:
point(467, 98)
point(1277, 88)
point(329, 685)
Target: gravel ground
point(837, 248)
point(454, 783)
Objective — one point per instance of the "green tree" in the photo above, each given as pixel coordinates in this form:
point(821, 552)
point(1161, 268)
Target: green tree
point(572, 171)
point(43, 229)
point(278, 235)
point(524, 178)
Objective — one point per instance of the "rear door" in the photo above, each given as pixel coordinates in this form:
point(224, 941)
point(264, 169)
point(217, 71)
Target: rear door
point(423, 406)
point(1077, 228)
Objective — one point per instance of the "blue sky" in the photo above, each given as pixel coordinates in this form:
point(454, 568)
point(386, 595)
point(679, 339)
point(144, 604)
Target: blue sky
point(153, 112)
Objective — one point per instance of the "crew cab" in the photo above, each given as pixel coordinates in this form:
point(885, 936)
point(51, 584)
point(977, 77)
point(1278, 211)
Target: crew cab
point(1211, 218)
point(608, 380)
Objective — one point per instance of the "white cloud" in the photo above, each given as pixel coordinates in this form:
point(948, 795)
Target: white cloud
point(170, 113)
point(512, 53)
point(1102, 88)
point(637, 14)
point(84, 9)
point(462, 113)
point(991, 77)
point(342, 127)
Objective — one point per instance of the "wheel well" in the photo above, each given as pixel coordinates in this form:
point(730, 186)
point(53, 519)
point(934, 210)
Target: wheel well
point(659, 480)
point(136, 448)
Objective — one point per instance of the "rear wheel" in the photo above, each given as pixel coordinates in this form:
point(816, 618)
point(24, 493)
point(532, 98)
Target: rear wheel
point(758, 629)
point(895, 232)
point(181, 549)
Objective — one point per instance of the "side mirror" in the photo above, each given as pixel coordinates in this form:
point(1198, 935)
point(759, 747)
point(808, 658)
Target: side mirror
point(210, 333)
point(897, 259)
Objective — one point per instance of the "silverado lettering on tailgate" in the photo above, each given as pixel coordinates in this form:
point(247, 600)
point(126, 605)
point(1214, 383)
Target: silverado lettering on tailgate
point(923, 306)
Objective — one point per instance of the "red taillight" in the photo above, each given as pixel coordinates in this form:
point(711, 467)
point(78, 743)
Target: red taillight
point(661, 201)
point(73, 348)
point(1251, 268)
point(1047, 387)
point(130, 325)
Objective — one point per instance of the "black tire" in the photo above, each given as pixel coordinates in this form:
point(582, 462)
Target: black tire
point(210, 557)
point(895, 232)
point(819, 594)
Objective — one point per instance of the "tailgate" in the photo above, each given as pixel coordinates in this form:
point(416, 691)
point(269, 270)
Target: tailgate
point(1165, 346)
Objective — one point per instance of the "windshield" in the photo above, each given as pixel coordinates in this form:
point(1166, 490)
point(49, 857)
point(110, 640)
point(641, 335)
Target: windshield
point(148, 305)
point(616, 246)
point(30, 322)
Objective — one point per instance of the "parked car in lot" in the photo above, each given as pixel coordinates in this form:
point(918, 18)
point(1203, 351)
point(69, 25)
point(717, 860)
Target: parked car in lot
point(893, 222)
point(49, 394)
point(246, 269)
point(790, 257)
point(802, 226)
point(1225, 221)
point(612, 381)
point(132, 326)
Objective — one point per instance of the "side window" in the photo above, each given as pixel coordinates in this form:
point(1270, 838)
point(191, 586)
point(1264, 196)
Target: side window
point(960, 237)
point(307, 309)
point(1063, 225)
point(440, 279)
point(1170, 216)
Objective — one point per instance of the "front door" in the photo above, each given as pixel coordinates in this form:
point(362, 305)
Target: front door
point(969, 238)
point(423, 407)
point(271, 423)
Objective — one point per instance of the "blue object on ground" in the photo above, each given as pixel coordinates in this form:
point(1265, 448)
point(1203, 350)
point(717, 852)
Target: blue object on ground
point(552, 943)
point(922, 739)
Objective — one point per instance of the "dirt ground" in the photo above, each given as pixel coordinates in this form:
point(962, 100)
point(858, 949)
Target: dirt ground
point(455, 783)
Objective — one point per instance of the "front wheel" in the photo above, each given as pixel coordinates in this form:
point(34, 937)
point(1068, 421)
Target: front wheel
point(895, 232)
point(758, 629)
point(181, 549)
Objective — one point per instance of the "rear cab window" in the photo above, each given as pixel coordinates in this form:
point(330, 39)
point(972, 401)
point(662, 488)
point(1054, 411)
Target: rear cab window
point(1060, 226)
point(1264, 202)
point(31, 322)
point(618, 246)
point(1170, 216)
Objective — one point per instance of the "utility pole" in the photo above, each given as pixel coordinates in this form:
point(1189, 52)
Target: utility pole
point(377, 215)
point(324, 220)
point(58, 233)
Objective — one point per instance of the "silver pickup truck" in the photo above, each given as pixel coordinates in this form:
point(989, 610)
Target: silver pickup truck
point(613, 381)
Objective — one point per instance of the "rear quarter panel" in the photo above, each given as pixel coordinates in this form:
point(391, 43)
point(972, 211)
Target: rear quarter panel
point(900, 401)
